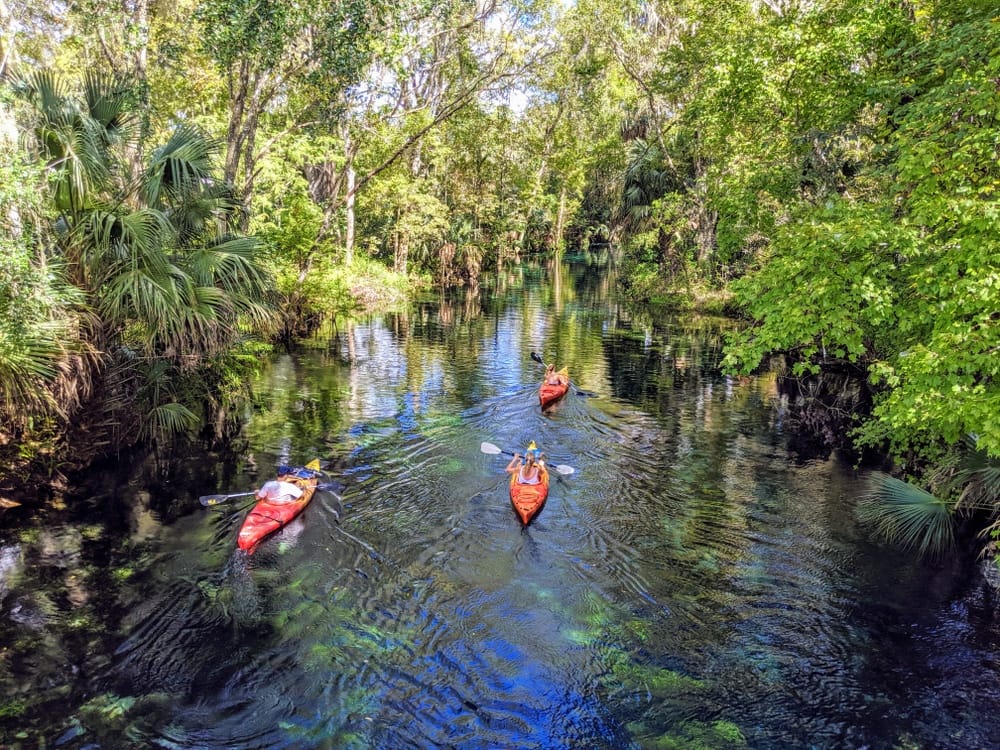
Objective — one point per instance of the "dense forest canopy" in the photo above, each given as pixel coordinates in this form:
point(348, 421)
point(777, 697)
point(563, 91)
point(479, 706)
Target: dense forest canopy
point(182, 179)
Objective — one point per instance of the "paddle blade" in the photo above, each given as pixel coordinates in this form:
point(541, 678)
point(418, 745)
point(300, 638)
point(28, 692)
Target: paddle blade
point(538, 359)
point(564, 469)
point(208, 500)
point(490, 449)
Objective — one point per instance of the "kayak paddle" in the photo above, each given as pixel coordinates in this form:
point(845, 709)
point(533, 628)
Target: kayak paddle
point(208, 500)
point(493, 450)
point(576, 389)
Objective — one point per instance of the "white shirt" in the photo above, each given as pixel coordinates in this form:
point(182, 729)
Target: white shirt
point(279, 492)
point(522, 480)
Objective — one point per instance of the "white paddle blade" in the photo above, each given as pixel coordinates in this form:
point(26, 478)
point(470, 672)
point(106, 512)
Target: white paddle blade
point(564, 469)
point(490, 448)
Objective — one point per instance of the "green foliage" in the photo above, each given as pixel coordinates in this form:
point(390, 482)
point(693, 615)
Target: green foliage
point(944, 380)
point(269, 32)
point(146, 247)
point(373, 286)
point(905, 282)
point(826, 291)
point(695, 735)
point(36, 309)
point(412, 222)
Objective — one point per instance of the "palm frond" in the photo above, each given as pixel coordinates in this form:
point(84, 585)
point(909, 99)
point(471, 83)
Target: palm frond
point(107, 103)
point(231, 264)
point(49, 93)
point(30, 356)
point(180, 167)
point(977, 475)
point(112, 243)
point(904, 514)
point(136, 295)
point(168, 420)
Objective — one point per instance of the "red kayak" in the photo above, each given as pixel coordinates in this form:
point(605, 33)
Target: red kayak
point(528, 499)
point(548, 394)
point(267, 516)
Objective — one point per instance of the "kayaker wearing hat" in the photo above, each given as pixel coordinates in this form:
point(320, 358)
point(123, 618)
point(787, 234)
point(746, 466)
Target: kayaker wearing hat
point(527, 471)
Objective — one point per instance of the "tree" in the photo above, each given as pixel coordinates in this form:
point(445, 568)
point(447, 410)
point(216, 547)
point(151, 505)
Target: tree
point(299, 56)
point(901, 275)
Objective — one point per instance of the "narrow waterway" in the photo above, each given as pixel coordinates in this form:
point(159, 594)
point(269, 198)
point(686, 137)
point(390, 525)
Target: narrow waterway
point(698, 581)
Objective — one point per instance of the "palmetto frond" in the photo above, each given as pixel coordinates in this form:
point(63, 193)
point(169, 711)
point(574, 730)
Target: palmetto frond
point(49, 93)
point(164, 420)
point(29, 359)
point(113, 243)
point(907, 515)
point(978, 474)
point(230, 264)
point(107, 99)
point(182, 167)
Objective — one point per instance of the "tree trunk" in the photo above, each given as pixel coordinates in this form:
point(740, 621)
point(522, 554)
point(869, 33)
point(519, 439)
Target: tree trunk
point(560, 220)
point(705, 220)
point(402, 253)
point(7, 39)
point(245, 94)
point(349, 212)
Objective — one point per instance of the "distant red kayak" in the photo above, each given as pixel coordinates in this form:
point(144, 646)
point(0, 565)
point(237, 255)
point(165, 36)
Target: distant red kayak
point(548, 394)
point(528, 499)
point(267, 517)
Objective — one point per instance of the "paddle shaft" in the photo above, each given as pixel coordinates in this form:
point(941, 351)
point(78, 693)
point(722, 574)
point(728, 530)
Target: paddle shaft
point(208, 500)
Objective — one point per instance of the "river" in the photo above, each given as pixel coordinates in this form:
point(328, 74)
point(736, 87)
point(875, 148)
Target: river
point(698, 581)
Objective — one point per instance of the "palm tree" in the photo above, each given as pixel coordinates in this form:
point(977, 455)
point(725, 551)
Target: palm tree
point(148, 244)
point(650, 176)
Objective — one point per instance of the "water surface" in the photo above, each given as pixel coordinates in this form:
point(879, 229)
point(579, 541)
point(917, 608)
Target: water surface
point(699, 581)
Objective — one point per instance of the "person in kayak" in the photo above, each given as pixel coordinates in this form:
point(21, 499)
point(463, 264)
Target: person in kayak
point(278, 492)
point(528, 471)
point(554, 378)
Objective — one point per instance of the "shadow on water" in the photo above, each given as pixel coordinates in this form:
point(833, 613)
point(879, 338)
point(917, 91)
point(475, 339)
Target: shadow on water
point(698, 581)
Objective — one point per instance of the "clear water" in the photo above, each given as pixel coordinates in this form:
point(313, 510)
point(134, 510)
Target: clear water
point(697, 582)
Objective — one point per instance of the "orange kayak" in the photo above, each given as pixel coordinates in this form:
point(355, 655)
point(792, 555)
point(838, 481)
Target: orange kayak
point(267, 517)
point(549, 394)
point(528, 499)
